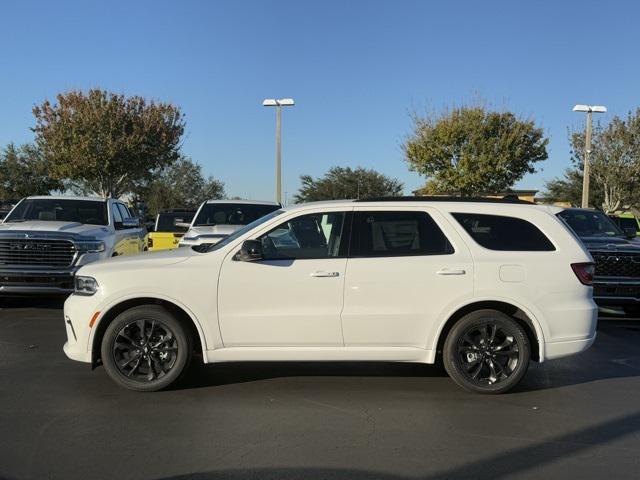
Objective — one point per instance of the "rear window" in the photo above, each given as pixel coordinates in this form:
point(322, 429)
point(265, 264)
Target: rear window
point(497, 232)
point(166, 222)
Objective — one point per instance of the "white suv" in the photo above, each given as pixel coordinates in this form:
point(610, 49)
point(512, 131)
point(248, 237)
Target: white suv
point(488, 286)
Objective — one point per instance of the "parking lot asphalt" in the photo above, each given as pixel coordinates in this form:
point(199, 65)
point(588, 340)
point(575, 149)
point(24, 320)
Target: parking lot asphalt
point(573, 418)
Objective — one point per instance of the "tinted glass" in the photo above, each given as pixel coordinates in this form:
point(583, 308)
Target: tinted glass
point(231, 213)
point(626, 222)
point(167, 222)
point(317, 235)
point(93, 212)
point(124, 211)
point(117, 216)
point(387, 234)
point(497, 232)
point(237, 234)
point(587, 223)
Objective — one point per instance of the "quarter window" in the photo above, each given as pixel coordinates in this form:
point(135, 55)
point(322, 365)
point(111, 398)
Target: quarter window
point(317, 235)
point(124, 211)
point(117, 217)
point(497, 232)
point(397, 233)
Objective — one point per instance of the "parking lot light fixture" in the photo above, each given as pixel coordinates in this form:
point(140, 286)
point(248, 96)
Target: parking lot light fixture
point(278, 103)
point(589, 110)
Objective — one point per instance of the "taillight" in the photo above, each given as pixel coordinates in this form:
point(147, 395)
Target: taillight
point(150, 242)
point(584, 272)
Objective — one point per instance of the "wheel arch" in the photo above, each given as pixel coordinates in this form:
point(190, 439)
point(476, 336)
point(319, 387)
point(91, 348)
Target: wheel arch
point(116, 309)
point(524, 318)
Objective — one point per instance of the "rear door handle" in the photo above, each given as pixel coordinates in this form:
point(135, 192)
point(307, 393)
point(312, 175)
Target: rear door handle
point(451, 271)
point(321, 273)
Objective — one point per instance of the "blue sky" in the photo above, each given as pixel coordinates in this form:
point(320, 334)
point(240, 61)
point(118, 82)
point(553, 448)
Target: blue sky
point(355, 68)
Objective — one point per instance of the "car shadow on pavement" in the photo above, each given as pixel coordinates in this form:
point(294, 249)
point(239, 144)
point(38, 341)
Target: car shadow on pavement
point(506, 464)
point(200, 376)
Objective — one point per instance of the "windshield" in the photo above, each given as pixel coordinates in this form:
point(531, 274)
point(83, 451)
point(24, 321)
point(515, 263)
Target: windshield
point(586, 223)
point(93, 212)
point(166, 222)
point(231, 213)
point(237, 233)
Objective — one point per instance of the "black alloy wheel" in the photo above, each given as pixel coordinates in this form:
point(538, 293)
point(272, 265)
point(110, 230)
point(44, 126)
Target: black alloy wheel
point(146, 348)
point(487, 352)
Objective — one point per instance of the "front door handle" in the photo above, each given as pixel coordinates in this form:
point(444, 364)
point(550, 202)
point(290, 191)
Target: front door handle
point(321, 273)
point(451, 271)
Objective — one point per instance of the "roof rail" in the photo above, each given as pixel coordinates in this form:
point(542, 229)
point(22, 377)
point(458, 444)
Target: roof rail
point(506, 199)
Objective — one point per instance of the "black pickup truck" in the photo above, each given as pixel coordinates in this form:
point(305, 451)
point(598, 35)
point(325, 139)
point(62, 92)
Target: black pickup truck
point(616, 284)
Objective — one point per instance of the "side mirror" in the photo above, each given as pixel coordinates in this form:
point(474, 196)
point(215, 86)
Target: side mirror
point(250, 251)
point(630, 232)
point(130, 222)
point(182, 224)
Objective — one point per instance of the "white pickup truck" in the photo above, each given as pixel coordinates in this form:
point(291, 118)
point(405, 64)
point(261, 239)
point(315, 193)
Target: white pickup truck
point(44, 240)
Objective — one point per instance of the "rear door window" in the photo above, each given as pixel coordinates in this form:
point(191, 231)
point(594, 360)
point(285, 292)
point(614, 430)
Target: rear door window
point(497, 232)
point(397, 233)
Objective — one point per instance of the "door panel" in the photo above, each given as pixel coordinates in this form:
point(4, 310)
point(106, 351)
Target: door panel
point(294, 295)
point(405, 276)
point(281, 302)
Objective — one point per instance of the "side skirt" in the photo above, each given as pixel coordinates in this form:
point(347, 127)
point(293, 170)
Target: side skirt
point(319, 354)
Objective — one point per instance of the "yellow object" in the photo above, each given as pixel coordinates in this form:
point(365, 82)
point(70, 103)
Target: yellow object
point(170, 226)
point(163, 240)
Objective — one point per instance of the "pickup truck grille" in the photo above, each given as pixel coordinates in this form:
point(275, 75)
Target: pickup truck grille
point(617, 264)
point(36, 252)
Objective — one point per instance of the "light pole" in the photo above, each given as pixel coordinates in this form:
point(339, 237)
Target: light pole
point(589, 109)
point(283, 102)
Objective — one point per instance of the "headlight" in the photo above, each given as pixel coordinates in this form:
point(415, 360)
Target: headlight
point(90, 246)
point(85, 285)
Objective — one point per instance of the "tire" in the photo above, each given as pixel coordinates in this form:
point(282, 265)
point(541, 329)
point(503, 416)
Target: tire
point(487, 351)
point(146, 362)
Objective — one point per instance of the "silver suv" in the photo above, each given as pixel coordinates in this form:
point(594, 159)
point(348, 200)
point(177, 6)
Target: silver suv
point(44, 240)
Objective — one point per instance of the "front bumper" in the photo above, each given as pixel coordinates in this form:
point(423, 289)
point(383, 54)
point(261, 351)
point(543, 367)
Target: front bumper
point(618, 297)
point(37, 282)
point(78, 313)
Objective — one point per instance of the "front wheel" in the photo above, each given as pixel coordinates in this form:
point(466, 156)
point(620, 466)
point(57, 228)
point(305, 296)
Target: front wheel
point(487, 352)
point(146, 349)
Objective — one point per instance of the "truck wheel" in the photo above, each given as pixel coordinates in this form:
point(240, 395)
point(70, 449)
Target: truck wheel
point(487, 352)
point(146, 349)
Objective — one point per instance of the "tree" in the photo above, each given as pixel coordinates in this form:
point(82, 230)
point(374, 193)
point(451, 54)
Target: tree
point(180, 185)
point(24, 172)
point(614, 165)
point(104, 142)
point(471, 150)
point(342, 183)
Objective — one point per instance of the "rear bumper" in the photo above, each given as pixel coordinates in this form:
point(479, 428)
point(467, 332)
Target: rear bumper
point(555, 350)
point(37, 282)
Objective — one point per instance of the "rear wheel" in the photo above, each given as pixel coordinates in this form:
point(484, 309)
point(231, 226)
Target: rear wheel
point(146, 349)
point(487, 352)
